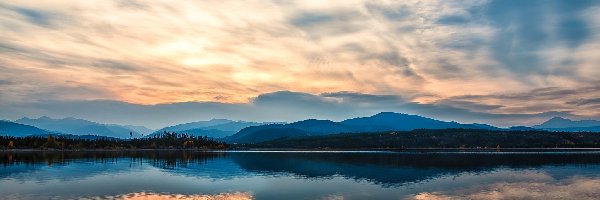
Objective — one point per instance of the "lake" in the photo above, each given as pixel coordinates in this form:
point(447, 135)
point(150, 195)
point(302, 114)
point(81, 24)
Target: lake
point(299, 175)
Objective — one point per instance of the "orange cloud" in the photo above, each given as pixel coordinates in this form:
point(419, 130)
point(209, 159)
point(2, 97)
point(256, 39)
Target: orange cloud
point(164, 52)
point(222, 196)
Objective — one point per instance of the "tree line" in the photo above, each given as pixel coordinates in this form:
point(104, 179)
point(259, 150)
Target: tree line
point(166, 140)
point(441, 138)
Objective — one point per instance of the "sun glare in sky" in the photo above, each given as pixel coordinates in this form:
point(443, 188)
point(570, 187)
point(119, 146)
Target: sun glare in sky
point(491, 58)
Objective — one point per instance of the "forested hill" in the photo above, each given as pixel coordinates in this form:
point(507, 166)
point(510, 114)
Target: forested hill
point(384, 121)
point(444, 138)
point(70, 142)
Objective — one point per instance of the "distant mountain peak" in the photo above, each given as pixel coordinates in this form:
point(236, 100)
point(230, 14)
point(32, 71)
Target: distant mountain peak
point(314, 120)
point(75, 126)
point(31, 119)
point(389, 114)
point(385, 113)
point(396, 115)
point(558, 119)
point(390, 117)
point(212, 128)
point(23, 118)
point(383, 121)
point(219, 119)
point(560, 122)
point(46, 118)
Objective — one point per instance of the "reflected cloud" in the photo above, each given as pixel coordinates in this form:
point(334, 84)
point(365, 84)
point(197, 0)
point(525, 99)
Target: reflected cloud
point(155, 196)
point(574, 188)
point(292, 175)
point(385, 169)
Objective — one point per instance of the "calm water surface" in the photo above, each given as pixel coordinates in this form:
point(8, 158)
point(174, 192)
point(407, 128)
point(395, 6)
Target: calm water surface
point(299, 175)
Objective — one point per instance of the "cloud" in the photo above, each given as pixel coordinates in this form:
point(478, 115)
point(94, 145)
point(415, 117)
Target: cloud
point(574, 188)
point(580, 102)
point(573, 27)
point(394, 13)
point(453, 20)
point(527, 29)
point(570, 100)
point(488, 60)
point(308, 19)
point(115, 65)
point(277, 106)
point(470, 105)
point(347, 96)
point(5, 82)
point(34, 16)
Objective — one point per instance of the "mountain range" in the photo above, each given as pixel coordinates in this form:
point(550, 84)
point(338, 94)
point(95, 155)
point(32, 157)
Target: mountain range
point(562, 124)
point(388, 121)
point(253, 132)
point(8, 128)
point(385, 121)
point(75, 126)
point(216, 128)
point(20, 130)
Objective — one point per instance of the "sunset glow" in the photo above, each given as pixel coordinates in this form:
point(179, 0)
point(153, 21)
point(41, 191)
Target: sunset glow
point(477, 55)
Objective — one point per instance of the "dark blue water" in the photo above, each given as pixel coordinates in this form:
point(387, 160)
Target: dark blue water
point(299, 175)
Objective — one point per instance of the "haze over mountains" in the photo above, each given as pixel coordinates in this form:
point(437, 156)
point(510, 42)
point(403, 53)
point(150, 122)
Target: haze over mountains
point(216, 128)
point(385, 121)
point(252, 132)
point(19, 130)
point(562, 124)
point(83, 127)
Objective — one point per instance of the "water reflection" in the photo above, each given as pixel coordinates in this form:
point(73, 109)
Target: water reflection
point(397, 169)
point(299, 175)
point(574, 188)
point(154, 196)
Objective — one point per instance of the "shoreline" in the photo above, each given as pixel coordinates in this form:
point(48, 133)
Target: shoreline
point(103, 150)
point(324, 150)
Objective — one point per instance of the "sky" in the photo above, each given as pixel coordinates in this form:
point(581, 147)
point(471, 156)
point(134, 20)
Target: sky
point(160, 62)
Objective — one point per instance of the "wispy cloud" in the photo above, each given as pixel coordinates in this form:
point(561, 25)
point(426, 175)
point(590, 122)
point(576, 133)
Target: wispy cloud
point(276, 106)
point(489, 57)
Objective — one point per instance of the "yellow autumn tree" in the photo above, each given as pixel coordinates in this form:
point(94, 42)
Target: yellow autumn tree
point(51, 142)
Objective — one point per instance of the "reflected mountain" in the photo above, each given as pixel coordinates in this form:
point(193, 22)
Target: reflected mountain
point(390, 169)
point(77, 165)
point(382, 168)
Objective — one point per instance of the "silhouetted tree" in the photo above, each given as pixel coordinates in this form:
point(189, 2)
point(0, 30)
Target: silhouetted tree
point(166, 140)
